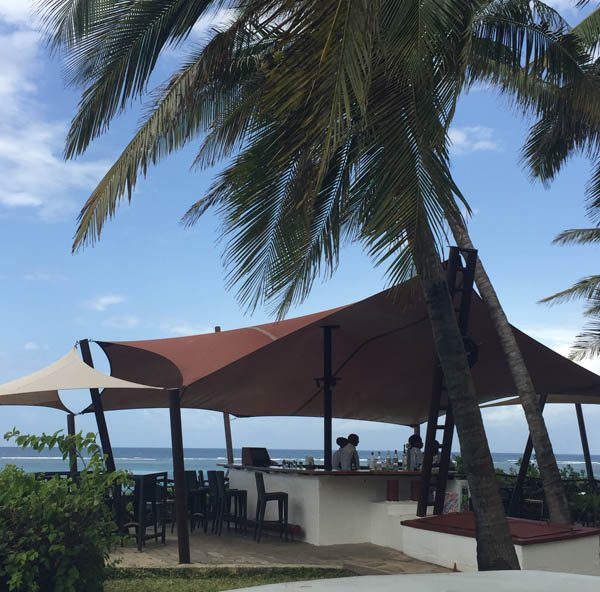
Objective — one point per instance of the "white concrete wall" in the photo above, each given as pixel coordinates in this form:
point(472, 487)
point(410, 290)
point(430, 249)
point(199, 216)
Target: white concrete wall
point(330, 509)
point(578, 556)
point(336, 510)
point(386, 517)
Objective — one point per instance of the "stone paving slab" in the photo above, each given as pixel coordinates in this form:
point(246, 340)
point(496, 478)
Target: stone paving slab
point(232, 550)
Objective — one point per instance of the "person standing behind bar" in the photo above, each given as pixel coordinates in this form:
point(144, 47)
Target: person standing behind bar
point(336, 464)
point(415, 454)
point(349, 460)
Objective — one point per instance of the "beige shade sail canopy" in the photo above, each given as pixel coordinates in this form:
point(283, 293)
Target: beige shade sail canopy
point(383, 358)
point(69, 373)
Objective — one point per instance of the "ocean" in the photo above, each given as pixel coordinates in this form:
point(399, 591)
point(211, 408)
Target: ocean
point(154, 460)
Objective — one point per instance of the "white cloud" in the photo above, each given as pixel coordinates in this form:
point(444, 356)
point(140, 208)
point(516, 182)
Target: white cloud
point(17, 11)
point(122, 322)
point(563, 5)
point(185, 328)
point(477, 138)
point(33, 174)
point(31, 346)
point(101, 303)
point(561, 339)
point(42, 276)
point(213, 20)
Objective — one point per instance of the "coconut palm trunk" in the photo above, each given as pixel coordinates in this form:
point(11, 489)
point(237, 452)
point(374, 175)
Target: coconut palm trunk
point(494, 545)
point(556, 498)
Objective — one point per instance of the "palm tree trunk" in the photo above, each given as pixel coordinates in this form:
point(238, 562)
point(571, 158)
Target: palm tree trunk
point(494, 545)
point(556, 498)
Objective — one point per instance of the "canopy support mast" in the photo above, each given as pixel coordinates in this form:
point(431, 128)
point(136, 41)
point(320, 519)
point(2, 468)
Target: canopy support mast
point(86, 354)
point(181, 509)
point(72, 451)
point(584, 444)
point(227, 426)
point(328, 384)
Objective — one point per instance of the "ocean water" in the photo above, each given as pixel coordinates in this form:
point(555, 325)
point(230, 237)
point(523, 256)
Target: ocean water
point(152, 460)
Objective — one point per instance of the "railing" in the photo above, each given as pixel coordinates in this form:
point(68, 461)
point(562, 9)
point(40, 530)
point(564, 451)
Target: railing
point(583, 496)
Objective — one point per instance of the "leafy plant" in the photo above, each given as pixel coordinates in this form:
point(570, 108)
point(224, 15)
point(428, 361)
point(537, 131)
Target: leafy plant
point(57, 532)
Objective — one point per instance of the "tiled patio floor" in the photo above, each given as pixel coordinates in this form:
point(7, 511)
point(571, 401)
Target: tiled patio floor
point(233, 550)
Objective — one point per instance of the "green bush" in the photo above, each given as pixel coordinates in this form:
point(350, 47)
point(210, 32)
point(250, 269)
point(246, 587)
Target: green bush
point(56, 533)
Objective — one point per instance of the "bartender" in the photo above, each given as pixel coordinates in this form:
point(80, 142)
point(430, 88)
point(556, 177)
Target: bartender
point(349, 460)
point(335, 461)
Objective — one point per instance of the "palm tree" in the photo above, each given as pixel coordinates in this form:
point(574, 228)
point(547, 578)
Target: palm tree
point(339, 111)
point(588, 288)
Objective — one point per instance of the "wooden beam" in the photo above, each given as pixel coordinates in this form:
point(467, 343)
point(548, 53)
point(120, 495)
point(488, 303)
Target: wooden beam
point(584, 444)
point(86, 354)
point(181, 506)
point(72, 451)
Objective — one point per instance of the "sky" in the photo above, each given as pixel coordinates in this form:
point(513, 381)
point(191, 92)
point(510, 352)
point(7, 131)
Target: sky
point(149, 277)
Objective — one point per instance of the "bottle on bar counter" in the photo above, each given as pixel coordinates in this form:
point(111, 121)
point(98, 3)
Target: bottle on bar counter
point(378, 462)
point(404, 459)
point(395, 461)
point(372, 466)
point(388, 461)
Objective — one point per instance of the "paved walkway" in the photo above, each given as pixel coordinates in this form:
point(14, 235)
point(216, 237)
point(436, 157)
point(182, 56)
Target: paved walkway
point(232, 550)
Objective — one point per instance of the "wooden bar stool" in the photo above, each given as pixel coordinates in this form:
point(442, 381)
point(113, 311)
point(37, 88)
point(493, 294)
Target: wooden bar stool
point(261, 505)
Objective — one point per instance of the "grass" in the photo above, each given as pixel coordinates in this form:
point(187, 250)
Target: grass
point(209, 580)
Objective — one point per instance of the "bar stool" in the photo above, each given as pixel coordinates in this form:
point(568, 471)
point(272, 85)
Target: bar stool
point(261, 505)
point(240, 505)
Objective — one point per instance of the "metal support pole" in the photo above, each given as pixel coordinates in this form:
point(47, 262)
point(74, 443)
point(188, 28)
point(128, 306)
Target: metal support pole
point(228, 442)
point(515, 499)
point(584, 444)
point(227, 426)
point(417, 430)
point(181, 509)
point(328, 384)
point(72, 451)
point(86, 354)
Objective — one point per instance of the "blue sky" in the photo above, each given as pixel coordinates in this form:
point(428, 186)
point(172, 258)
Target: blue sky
point(149, 277)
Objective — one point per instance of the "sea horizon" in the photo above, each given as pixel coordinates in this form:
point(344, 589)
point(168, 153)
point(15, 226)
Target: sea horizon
point(151, 459)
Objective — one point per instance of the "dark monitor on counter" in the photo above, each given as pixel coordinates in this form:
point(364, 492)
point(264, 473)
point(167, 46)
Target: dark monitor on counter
point(256, 457)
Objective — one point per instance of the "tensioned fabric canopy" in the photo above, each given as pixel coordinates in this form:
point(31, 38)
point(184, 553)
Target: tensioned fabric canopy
point(383, 357)
point(564, 399)
point(70, 372)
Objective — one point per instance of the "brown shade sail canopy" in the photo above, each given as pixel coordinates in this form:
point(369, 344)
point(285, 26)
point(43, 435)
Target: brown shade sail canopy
point(383, 358)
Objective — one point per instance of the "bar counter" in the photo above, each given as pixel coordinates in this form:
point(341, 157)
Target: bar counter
point(331, 507)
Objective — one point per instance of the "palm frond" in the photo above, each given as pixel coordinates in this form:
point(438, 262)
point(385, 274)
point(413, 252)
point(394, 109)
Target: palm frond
point(587, 344)
point(580, 236)
point(115, 62)
point(188, 104)
point(588, 30)
point(588, 288)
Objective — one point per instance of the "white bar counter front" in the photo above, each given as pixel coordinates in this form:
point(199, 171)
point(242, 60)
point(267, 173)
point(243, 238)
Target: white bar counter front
point(331, 507)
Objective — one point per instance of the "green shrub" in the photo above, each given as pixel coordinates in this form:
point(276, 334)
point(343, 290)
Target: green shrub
point(56, 533)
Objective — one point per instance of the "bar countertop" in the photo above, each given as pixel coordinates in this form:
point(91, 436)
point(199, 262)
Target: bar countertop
point(322, 472)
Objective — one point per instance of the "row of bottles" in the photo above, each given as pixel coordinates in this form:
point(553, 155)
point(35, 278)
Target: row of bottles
point(388, 462)
point(391, 463)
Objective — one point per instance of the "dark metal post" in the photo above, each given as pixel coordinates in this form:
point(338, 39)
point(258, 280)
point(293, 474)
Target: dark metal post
point(584, 444)
point(515, 499)
point(181, 510)
point(328, 384)
point(72, 451)
point(227, 426)
point(86, 354)
point(228, 441)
